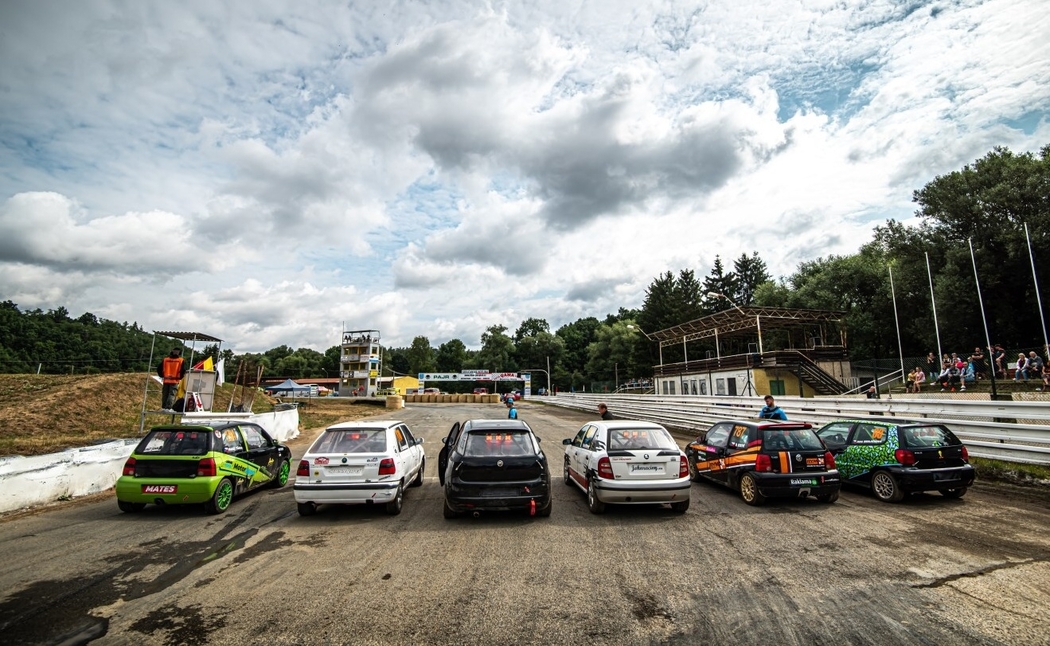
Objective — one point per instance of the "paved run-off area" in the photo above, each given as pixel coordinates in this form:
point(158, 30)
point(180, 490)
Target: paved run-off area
point(925, 571)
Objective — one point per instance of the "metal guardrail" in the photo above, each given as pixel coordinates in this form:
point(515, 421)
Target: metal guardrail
point(1013, 431)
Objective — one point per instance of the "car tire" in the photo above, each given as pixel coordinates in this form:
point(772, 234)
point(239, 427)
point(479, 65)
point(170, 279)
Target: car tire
point(130, 507)
point(546, 511)
point(954, 493)
point(694, 475)
point(596, 506)
point(885, 487)
point(281, 478)
point(749, 490)
point(680, 507)
point(565, 473)
point(221, 499)
point(394, 506)
point(449, 512)
point(828, 497)
point(307, 508)
point(418, 480)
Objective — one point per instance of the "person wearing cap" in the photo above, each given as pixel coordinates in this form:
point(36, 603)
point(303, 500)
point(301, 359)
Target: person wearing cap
point(771, 410)
point(512, 413)
point(171, 371)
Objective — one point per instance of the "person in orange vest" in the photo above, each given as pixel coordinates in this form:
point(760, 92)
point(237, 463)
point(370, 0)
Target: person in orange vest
point(171, 370)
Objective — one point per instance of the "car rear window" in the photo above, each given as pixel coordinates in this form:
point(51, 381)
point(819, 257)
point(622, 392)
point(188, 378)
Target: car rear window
point(630, 439)
point(918, 437)
point(503, 443)
point(358, 440)
point(802, 439)
point(174, 443)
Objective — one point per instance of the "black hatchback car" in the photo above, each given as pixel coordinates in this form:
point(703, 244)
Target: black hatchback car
point(765, 459)
point(893, 457)
point(494, 465)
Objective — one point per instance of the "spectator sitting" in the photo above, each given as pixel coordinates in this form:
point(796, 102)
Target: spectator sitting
point(1022, 368)
point(1034, 365)
point(944, 378)
point(920, 377)
point(1046, 376)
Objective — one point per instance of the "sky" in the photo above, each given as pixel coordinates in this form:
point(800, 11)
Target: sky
point(272, 173)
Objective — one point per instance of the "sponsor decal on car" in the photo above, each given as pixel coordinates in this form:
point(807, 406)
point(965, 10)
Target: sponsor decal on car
point(159, 488)
point(321, 461)
point(803, 481)
point(815, 462)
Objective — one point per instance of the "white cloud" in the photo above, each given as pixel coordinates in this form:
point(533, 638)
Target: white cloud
point(269, 172)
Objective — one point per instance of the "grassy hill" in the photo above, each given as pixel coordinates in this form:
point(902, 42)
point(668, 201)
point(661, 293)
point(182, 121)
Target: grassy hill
point(47, 413)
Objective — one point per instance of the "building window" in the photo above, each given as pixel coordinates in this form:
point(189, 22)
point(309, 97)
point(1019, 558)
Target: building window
point(720, 386)
point(776, 387)
point(703, 387)
point(671, 384)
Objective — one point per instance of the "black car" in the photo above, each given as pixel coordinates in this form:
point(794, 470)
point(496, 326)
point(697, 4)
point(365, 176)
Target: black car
point(494, 465)
point(894, 457)
point(765, 459)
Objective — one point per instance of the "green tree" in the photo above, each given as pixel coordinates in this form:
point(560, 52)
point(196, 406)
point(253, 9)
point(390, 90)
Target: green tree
point(451, 356)
point(751, 272)
point(719, 282)
point(421, 355)
point(497, 350)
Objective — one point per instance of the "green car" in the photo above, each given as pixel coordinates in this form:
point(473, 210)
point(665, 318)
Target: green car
point(210, 464)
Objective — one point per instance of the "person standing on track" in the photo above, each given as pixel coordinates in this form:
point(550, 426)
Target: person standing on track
point(171, 371)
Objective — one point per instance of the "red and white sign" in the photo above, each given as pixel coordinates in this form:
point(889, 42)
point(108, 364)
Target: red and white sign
point(320, 460)
point(159, 488)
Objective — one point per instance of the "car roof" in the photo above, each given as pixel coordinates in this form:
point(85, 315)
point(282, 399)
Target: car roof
point(887, 421)
point(767, 423)
point(380, 423)
point(495, 424)
point(612, 425)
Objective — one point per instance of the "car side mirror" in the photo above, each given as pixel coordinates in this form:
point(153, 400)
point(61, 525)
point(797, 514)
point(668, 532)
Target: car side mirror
point(567, 441)
point(539, 439)
point(419, 440)
point(444, 439)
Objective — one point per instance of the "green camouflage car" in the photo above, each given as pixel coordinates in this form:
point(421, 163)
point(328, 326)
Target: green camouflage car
point(209, 463)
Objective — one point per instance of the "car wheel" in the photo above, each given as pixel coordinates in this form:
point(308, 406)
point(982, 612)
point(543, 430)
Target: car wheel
point(749, 490)
point(282, 475)
point(565, 473)
point(546, 511)
point(130, 507)
point(680, 507)
point(828, 497)
point(954, 493)
point(449, 512)
point(221, 499)
point(596, 506)
point(694, 475)
point(307, 508)
point(394, 506)
point(418, 481)
point(885, 487)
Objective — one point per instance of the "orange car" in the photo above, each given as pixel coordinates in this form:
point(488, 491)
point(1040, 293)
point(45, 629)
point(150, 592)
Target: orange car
point(765, 459)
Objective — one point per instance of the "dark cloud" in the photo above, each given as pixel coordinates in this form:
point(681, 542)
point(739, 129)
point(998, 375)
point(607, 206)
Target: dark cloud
point(592, 290)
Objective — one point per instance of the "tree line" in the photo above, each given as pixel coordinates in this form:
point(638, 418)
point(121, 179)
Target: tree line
point(998, 206)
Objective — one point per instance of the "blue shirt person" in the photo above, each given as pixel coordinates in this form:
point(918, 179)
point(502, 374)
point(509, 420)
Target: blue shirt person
point(772, 411)
point(512, 413)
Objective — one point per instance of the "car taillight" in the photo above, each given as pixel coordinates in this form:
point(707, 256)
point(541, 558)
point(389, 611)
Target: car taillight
point(683, 467)
point(829, 461)
point(965, 455)
point(763, 463)
point(206, 467)
point(387, 467)
point(304, 468)
point(904, 456)
point(129, 467)
point(605, 469)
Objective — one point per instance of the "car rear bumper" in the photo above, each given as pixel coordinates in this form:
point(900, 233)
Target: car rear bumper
point(345, 493)
point(188, 491)
point(911, 479)
point(794, 485)
point(642, 492)
point(498, 497)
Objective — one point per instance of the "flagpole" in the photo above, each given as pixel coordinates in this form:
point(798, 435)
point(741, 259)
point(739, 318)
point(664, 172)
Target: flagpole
point(933, 300)
point(896, 321)
point(980, 301)
point(1038, 300)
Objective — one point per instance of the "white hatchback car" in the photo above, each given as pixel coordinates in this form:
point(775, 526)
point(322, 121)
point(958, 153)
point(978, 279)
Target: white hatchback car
point(627, 462)
point(360, 463)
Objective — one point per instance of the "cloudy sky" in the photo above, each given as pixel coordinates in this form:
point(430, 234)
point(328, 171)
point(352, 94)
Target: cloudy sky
point(273, 172)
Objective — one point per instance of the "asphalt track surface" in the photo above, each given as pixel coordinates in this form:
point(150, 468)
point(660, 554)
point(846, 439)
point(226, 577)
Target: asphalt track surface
point(926, 571)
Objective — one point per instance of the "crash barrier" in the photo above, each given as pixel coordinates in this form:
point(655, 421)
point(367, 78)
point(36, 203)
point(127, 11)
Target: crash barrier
point(1013, 431)
point(428, 398)
point(39, 479)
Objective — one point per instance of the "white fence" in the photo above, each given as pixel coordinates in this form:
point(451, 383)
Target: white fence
point(1014, 431)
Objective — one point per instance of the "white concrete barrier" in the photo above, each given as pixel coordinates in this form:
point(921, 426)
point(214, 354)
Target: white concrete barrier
point(39, 479)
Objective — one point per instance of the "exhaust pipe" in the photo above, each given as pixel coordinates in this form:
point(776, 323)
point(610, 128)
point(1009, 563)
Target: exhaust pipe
point(477, 514)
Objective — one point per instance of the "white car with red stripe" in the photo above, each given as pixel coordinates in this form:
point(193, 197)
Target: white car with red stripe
point(360, 463)
point(629, 463)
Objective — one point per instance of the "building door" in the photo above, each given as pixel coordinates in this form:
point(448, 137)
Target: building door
point(731, 383)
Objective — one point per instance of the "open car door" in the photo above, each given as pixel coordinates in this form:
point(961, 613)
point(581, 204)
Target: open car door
point(448, 443)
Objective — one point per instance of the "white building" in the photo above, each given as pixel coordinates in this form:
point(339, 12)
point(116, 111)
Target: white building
point(360, 363)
